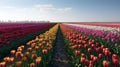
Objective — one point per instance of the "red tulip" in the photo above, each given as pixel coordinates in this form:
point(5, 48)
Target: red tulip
point(114, 56)
point(91, 57)
point(95, 59)
point(79, 46)
point(82, 55)
point(102, 46)
point(92, 45)
point(89, 50)
point(115, 60)
point(77, 52)
point(85, 45)
point(90, 65)
point(100, 56)
point(86, 62)
point(106, 63)
point(74, 46)
point(82, 59)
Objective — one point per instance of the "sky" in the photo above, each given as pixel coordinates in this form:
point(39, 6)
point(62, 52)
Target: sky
point(60, 10)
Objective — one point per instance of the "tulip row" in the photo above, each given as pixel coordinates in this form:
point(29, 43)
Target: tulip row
point(18, 30)
point(108, 39)
point(36, 53)
point(84, 51)
point(113, 25)
point(93, 27)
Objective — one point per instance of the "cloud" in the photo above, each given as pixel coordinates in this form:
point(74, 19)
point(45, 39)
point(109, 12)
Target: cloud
point(36, 12)
point(7, 7)
point(50, 7)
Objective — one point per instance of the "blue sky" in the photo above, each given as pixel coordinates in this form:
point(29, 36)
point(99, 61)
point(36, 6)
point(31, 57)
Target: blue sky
point(61, 10)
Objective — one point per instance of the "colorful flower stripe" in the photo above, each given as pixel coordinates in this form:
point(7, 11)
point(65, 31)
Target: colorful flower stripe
point(14, 31)
point(113, 25)
point(93, 27)
point(109, 37)
point(38, 51)
point(84, 51)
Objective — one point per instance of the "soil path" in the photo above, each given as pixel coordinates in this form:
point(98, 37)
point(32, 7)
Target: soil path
point(60, 58)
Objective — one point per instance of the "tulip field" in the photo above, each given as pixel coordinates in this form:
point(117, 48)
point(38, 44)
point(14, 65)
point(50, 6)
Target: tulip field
point(60, 45)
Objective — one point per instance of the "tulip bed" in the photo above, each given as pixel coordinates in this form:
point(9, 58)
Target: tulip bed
point(83, 50)
point(13, 31)
point(13, 35)
point(109, 39)
point(36, 53)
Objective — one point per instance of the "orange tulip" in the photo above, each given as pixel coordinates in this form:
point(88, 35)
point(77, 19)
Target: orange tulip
point(26, 54)
point(11, 59)
point(20, 49)
point(6, 59)
point(36, 47)
point(32, 65)
point(3, 64)
point(33, 52)
point(18, 64)
point(44, 51)
point(24, 59)
point(22, 46)
point(28, 43)
point(33, 45)
point(13, 52)
point(38, 60)
point(18, 54)
point(29, 49)
point(34, 56)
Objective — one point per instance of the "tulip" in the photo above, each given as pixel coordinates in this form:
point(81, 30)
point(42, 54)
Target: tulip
point(11, 60)
point(40, 45)
point(85, 45)
point(95, 59)
point(24, 59)
point(114, 56)
point(19, 55)
point(77, 52)
point(100, 56)
point(74, 47)
point(91, 57)
point(115, 60)
point(32, 65)
point(34, 56)
point(33, 45)
point(36, 47)
point(33, 52)
point(106, 63)
point(82, 60)
point(13, 52)
point(29, 49)
point(79, 46)
point(28, 43)
point(89, 50)
point(90, 65)
point(38, 60)
point(26, 54)
point(20, 49)
point(82, 55)
point(7, 59)
point(86, 62)
point(44, 51)
point(18, 64)
point(2, 64)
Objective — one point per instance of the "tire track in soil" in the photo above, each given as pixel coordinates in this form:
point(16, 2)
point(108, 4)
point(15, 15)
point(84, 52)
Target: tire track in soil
point(60, 58)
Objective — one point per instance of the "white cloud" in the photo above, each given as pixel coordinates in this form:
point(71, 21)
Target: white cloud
point(50, 7)
point(36, 12)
